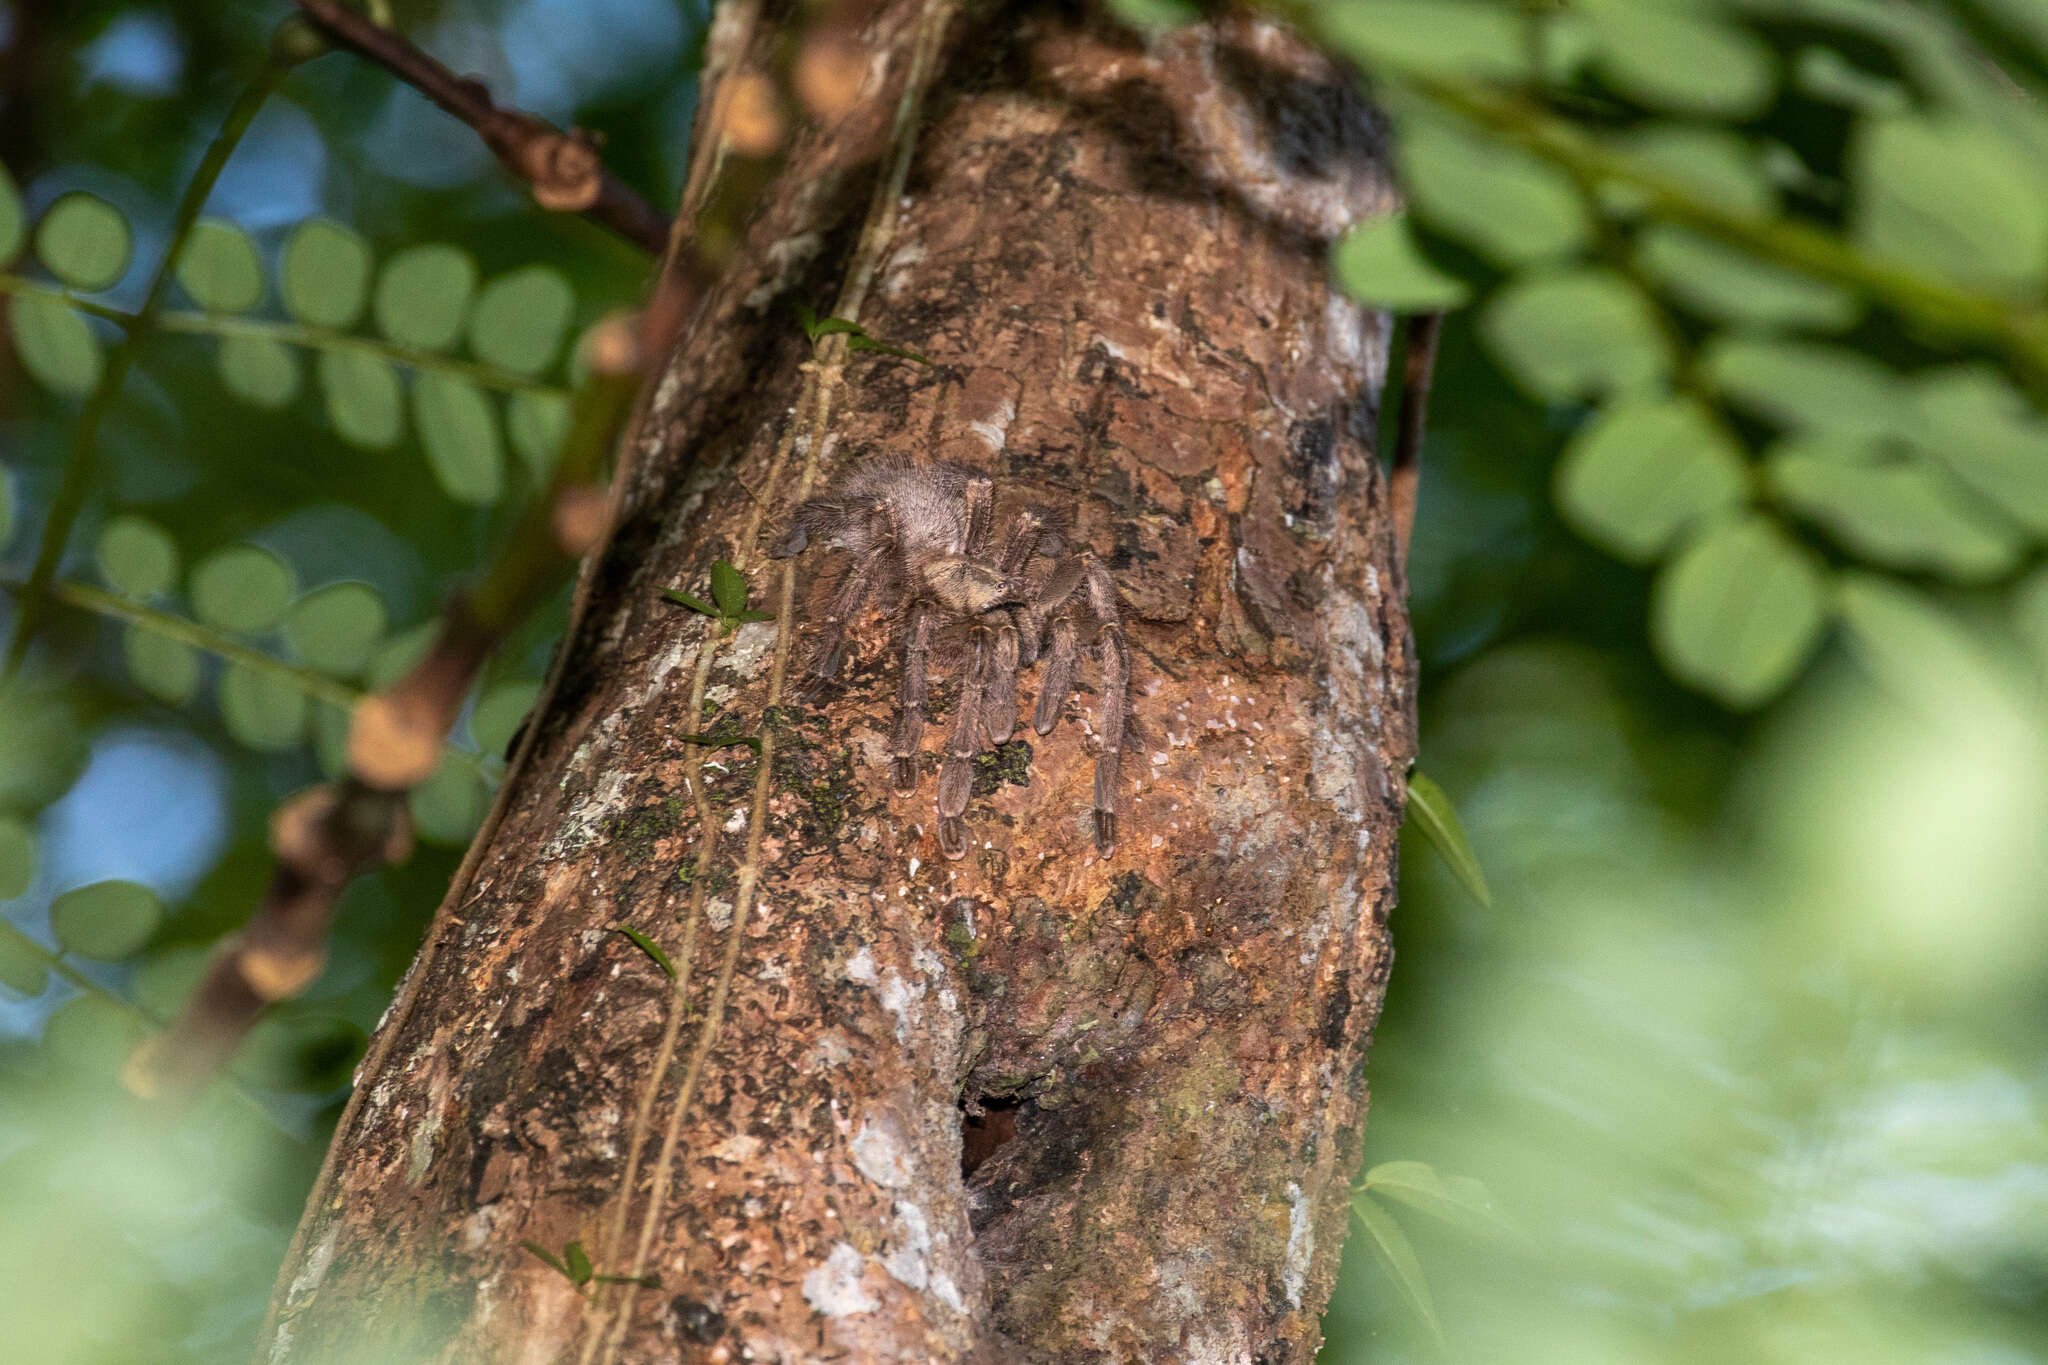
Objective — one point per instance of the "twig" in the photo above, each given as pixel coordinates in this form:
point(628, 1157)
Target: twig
point(322, 838)
point(2020, 331)
point(563, 168)
point(291, 334)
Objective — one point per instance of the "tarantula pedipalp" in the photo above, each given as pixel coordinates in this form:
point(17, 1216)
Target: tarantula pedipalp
point(921, 537)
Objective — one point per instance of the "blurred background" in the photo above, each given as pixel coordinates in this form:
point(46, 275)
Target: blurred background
point(1724, 583)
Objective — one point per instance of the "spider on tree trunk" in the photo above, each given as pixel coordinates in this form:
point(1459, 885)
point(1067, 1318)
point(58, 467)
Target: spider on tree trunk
point(921, 536)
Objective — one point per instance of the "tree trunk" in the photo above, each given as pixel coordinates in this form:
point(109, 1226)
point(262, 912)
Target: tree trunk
point(1035, 1104)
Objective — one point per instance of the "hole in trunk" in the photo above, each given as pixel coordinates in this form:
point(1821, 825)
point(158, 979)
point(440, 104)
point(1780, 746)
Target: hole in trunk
point(981, 1134)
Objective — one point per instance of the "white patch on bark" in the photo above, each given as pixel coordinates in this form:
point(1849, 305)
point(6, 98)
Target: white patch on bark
point(861, 966)
point(420, 1154)
point(1301, 1242)
point(994, 430)
point(314, 1270)
point(586, 821)
point(879, 1152)
point(908, 1262)
point(834, 1288)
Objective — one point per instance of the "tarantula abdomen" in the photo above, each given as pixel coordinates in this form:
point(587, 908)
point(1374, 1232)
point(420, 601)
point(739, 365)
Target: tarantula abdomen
point(921, 540)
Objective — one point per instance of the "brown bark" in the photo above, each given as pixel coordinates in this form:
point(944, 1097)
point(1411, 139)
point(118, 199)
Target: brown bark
point(1153, 1064)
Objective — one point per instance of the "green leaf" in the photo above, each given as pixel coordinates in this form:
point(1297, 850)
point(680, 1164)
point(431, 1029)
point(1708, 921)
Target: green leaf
point(242, 588)
point(1438, 822)
point(1717, 165)
point(326, 274)
point(23, 970)
point(724, 741)
point(137, 557)
point(17, 857)
point(1723, 284)
point(447, 807)
point(1825, 74)
point(520, 317)
point(1577, 333)
point(1673, 58)
point(1643, 471)
point(89, 1035)
point(548, 1256)
point(298, 1052)
point(499, 712)
point(333, 629)
point(682, 598)
point(459, 430)
point(1153, 16)
point(259, 371)
point(815, 326)
point(13, 222)
point(728, 588)
point(56, 346)
point(106, 921)
point(363, 398)
point(537, 422)
point(1970, 419)
point(166, 669)
point(1444, 37)
point(84, 241)
point(219, 267)
point(1952, 196)
point(261, 712)
point(1458, 1200)
point(1807, 386)
point(1903, 512)
point(1510, 206)
point(649, 947)
point(396, 656)
point(1738, 611)
point(43, 735)
point(1377, 262)
point(1920, 652)
point(423, 296)
point(578, 1262)
point(1399, 1258)
point(861, 341)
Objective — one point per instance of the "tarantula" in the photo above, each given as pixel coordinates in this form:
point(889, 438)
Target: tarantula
point(920, 537)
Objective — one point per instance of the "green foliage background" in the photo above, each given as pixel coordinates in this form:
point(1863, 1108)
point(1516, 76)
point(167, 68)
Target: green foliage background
point(1726, 584)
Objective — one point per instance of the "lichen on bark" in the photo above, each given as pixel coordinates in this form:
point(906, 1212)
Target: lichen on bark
point(1033, 1105)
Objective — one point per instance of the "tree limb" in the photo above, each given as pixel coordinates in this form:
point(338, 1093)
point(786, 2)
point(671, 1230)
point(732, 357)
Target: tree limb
point(563, 168)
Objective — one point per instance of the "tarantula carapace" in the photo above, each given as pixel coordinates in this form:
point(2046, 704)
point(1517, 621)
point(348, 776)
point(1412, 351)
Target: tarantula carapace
point(921, 539)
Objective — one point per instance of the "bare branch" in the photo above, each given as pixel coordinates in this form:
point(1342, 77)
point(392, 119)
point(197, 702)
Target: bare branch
point(563, 168)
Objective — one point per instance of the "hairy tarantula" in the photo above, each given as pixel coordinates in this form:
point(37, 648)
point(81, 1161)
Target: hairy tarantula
point(920, 537)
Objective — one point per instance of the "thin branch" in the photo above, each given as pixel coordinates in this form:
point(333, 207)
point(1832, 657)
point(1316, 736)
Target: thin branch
point(79, 462)
point(1939, 306)
point(318, 686)
point(563, 168)
point(301, 334)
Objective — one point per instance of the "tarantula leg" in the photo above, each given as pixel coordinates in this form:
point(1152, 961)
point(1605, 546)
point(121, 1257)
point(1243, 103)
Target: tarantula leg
point(1114, 702)
point(845, 604)
point(1027, 529)
point(1061, 659)
point(917, 640)
point(1110, 727)
point(999, 702)
point(980, 495)
point(956, 774)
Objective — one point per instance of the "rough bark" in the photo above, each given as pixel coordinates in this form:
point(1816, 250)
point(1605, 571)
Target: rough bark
point(1151, 1065)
